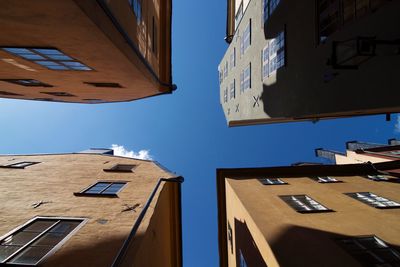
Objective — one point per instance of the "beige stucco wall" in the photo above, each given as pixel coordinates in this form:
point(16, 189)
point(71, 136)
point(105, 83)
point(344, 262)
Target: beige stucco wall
point(82, 30)
point(309, 239)
point(353, 157)
point(57, 177)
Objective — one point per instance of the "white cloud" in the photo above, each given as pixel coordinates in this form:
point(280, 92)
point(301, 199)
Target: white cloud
point(121, 151)
point(397, 124)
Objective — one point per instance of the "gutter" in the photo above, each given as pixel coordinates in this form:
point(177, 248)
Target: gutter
point(121, 30)
point(124, 249)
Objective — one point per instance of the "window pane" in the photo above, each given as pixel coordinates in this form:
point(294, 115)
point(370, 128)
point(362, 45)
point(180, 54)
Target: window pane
point(113, 189)
point(72, 64)
point(371, 242)
point(49, 239)
point(31, 56)
point(65, 227)
point(19, 239)
point(31, 255)
point(48, 51)
point(47, 63)
point(59, 57)
point(58, 67)
point(6, 251)
point(80, 68)
point(39, 225)
point(17, 50)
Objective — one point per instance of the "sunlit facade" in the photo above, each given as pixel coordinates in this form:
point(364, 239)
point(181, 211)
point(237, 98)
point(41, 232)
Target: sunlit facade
point(309, 215)
point(91, 51)
point(88, 209)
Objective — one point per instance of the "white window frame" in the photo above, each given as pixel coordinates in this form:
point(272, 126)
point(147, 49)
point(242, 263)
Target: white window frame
point(51, 251)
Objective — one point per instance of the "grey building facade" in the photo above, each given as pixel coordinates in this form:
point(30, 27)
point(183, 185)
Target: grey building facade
point(308, 60)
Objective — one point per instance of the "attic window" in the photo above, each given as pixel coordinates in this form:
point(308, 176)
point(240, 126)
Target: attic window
point(121, 168)
point(111, 85)
point(27, 82)
point(58, 94)
point(102, 188)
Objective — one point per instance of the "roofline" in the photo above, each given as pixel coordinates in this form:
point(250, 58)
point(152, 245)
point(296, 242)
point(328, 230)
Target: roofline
point(78, 153)
point(122, 252)
point(293, 171)
point(312, 118)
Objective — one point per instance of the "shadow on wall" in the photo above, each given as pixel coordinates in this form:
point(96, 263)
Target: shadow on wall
point(307, 86)
point(97, 254)
point(301, 246)
point(245, 247)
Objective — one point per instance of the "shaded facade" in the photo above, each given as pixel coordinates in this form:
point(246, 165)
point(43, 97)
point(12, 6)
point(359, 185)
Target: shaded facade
point(362, 152)
point(88, 209)
point(290, 61)
point(90, 51)
point(309, 215)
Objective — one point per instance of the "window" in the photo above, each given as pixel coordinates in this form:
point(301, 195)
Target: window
point(265, 61)
point(9, 93)
point(226, 95)
point(63, 94)
point(50, 58)
point(226, 70)
point(96, 84)
point(154, 37)
point(121, 168)
point(304, 204)
point(374, 200)
point(232, 92)
point(232, 59)
point(230, 236)
point(21, 165)
point(31, 243)
point(221, 75)
point(27, 82)
point(242, 262)
point(277, 52)
point(93, 101)
point(377, 177)
point(239, 15)
point(102, 188)
point(269, 7)
point(136, 6)
point(245, 78)
point(325, 179)
point(371, 251)
point(271, 181)
point(334, 14)
point(246, 39)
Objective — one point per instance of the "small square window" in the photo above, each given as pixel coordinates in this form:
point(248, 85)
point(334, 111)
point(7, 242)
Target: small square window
point(304, 204)
point(326, 179)
point(27, 82)
point(21, 165)
point(271, 181)
point(102, 188)
point(121, 168)
point(374, 200)
point(370, 251)
point(30, 244)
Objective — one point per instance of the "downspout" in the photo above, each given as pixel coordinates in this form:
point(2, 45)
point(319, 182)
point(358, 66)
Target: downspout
point(124, 249)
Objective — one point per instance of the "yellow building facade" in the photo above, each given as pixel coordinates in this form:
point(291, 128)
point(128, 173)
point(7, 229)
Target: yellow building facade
point(86, 51)
point(310, 215)
point(88, 209)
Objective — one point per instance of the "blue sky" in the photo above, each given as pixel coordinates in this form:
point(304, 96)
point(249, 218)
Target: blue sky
point(185, 131)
